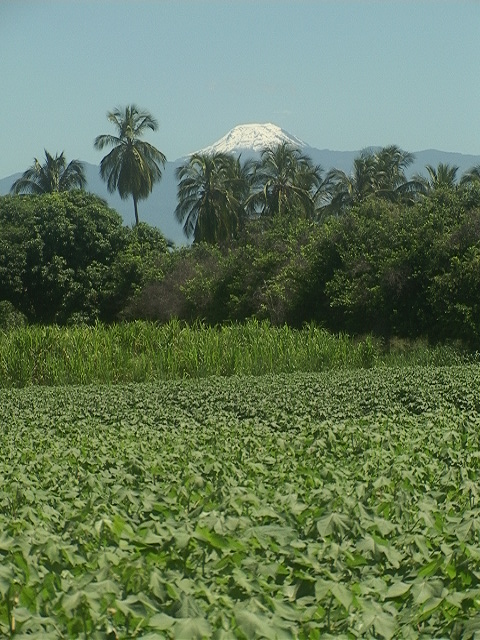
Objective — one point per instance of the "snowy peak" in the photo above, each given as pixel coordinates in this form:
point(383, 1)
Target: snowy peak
point(253, 137)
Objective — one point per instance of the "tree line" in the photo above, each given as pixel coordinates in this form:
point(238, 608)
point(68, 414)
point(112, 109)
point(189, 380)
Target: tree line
point(278, 238)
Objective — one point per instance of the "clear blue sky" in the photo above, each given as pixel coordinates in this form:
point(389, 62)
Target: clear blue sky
point(339, 74)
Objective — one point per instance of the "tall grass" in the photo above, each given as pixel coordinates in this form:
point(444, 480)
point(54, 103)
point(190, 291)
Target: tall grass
point(141, 351)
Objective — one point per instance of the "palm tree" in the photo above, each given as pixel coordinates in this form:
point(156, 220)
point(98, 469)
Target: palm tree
point(133, 165)
point(52, 176)
point(389, 178)
point(444, 176)
point(348, 189)
point(379, 173)
point(286, 181)
point(211, 194)
point(472, 176)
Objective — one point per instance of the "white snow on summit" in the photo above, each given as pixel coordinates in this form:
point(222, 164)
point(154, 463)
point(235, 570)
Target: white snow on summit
point(253, 137)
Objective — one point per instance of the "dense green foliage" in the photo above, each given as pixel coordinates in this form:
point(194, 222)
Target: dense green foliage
point(211, 193)
point(335, 505)
point(368, 253)
point(383, 268)
point(378, 173)
point(140, 352)
point(67, 257)
point(285, 183)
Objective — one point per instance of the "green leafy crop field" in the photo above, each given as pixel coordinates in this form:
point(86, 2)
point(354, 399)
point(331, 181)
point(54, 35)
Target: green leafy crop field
point(343, 504)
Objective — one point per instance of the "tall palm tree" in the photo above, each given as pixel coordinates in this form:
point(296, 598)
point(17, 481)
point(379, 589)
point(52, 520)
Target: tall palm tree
point(210, 197)
point(444, 176)
point(286, 181)
point(379, 173)
point(51, 176)
point(133, 166)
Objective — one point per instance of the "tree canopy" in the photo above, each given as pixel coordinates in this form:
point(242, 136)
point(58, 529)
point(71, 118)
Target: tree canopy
point(65, 255)
point(276, 238)
point(211, 194)
point(286, 181)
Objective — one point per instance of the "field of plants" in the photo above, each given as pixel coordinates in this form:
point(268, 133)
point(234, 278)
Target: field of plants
point(342, 504)
point(147, 352)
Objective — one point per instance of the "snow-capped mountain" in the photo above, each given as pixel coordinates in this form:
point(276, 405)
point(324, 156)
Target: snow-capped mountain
point(253, 138)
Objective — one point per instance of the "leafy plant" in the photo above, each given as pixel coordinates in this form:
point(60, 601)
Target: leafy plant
point(336, 504)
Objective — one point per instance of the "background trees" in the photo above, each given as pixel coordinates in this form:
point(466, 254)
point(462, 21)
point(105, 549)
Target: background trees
point(218, 193)
point(64, 257)
point(211, 192)
point(133, 166)
point(444, 176)
point(382, 267)
point(285, 182)
point(54, 175)
point(380, 173)
point(400, 256)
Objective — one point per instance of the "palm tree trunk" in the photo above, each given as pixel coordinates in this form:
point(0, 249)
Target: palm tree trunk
point(136, 210)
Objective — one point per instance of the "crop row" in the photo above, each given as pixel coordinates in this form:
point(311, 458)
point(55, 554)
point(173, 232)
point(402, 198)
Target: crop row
point(147, 352)
point(292, 506)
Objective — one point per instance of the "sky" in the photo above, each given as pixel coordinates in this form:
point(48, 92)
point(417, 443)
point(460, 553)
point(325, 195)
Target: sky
point(339, 74)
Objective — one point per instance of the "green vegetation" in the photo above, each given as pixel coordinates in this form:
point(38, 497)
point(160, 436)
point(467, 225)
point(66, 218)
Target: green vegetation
point(334, 505)
point(382, 268)
point(66, 257)
point(372, 252)
point(273, 433)
point(210, 197)
point(143, 352)
point(379, 174)
point(286, 183)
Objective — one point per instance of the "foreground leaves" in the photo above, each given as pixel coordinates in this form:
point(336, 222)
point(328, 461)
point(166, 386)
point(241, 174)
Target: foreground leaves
point(300, 506)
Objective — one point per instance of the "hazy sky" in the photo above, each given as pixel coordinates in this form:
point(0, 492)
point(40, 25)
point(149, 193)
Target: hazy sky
point(340, 74)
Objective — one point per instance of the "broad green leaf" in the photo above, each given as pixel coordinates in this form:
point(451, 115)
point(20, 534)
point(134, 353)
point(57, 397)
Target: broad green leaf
point(215, 540)
point(384, 526)
point(187, 607)
point(385, 625)
point(281, 534)
point(72, 601)
point(254, 625)
point(342, 594)
point(6, 578)
point(422, 591)
point(161, 621)
point(381, 621)
point(6, 541)
point(195, 628)
point(243, 580)
point(156, 584)
point(332, 523)
point(430, 605)
point(397, 590)
point(284, 609)
point(182, 538)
